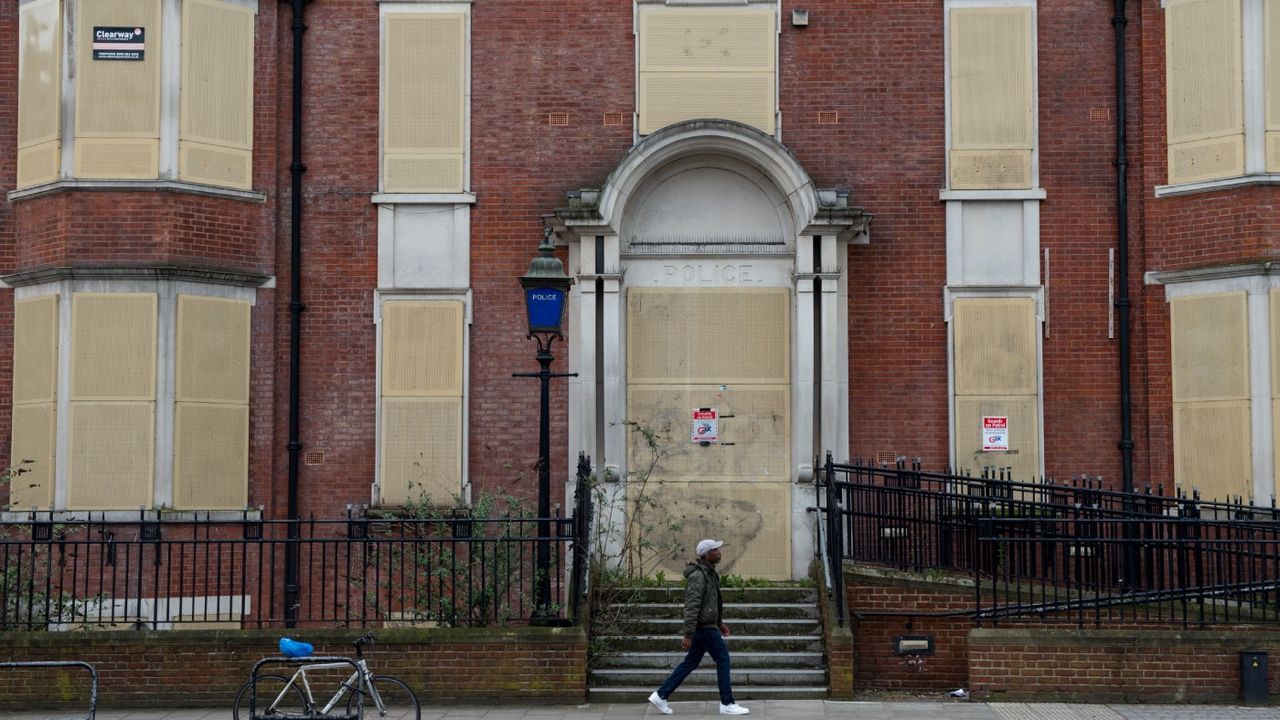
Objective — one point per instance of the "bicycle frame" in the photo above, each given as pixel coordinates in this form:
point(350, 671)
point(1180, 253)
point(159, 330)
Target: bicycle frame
point(362, 677)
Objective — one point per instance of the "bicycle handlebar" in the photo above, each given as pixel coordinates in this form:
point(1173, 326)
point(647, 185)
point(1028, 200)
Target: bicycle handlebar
point(366, 639)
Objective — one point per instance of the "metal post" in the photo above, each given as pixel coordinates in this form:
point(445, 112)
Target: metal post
point(544, 481)
point(542, 611)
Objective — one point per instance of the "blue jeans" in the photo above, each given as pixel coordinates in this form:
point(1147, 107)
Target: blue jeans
point(705, 640)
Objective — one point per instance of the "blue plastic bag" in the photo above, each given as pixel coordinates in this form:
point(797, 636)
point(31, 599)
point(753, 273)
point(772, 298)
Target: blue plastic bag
point(295, 649)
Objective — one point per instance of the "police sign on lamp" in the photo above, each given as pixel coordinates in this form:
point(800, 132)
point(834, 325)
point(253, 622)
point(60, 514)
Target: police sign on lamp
point(545, 289)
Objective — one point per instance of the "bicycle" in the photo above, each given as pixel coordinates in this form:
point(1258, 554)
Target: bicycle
point(291, 698)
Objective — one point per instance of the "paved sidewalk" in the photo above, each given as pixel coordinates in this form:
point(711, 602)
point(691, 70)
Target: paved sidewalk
point(773, 709)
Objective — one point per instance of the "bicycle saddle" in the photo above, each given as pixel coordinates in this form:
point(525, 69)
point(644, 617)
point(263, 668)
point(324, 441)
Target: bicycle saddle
point(295, 649)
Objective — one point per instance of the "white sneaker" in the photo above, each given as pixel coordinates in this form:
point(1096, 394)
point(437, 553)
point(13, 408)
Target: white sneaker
point(733, 708)
point(662, 705)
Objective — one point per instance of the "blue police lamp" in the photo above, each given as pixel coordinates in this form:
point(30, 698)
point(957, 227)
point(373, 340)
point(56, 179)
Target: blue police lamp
point(546, 288)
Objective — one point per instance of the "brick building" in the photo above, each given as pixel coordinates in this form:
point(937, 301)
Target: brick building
point(873, 228)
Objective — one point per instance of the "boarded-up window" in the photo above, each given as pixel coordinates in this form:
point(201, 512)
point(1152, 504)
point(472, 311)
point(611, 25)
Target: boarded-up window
point(118, 101)
point(211, 404)
point(1204, 88)
point(39, 92)
point(422, 394)
point(113, 384)
point(1211, 405)
point(996, 361)
point(216, 138)
point(1272, 79)
point(992, 97)
point(35, 383)
point(707, 63)
point(424, 73)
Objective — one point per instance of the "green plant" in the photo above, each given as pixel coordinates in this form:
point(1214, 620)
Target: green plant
point(452, 568)
point(632, 537)
point(31, 596)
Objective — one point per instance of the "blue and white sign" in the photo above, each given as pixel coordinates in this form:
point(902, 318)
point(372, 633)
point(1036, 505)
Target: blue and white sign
point(546, 305)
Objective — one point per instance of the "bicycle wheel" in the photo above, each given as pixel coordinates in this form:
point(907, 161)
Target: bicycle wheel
point(292, 705)
point(398, 701)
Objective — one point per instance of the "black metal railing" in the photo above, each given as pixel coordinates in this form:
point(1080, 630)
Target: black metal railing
point(355, 571)
point(1040, 548)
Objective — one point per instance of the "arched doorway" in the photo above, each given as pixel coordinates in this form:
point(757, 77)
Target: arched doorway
point(710, 287)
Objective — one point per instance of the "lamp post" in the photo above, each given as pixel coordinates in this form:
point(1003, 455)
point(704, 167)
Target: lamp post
point(546, 288)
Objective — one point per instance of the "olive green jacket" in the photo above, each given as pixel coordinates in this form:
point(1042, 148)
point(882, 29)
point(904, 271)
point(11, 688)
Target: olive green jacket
point(702, 604)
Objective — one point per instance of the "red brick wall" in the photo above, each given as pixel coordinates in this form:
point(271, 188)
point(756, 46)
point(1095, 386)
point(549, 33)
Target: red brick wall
point(874, 603)
point(207, 668)
point(1114, 665)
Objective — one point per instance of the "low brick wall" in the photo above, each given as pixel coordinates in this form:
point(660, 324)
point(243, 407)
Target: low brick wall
point(207, 667)
point(1035, 659)
point(876, 599)
point(1198, 666)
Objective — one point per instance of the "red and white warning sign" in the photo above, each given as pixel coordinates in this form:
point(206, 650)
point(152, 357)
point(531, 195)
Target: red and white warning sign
point(705, 426)
point(995, 433)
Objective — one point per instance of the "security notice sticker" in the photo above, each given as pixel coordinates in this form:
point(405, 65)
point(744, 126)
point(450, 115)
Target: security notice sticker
point(995, 433)
point(119, 43)
point(705, 426)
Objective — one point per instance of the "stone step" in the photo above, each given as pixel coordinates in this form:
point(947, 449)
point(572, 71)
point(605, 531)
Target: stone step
point(705, 676)
point(669, 660)
point(731, 610)
point(615, 644)
point(640, 695)
point(675, 594)
point(737, 625)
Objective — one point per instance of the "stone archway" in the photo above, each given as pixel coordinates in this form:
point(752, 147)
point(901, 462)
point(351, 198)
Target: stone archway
point(710, 274)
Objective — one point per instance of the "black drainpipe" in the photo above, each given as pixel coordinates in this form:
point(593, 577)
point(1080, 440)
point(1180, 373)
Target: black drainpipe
point(296, 168)
point(1122, 264)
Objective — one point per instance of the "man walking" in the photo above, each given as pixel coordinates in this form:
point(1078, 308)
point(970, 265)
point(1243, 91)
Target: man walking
point(704, 630)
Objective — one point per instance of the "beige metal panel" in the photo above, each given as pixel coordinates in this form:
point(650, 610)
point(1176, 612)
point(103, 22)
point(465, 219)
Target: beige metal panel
point(109, 158)
point(1272, 80)
point(421, 449)
point(118, 99)
point(215, 165)
point(113, 346)
point(1212, 448)
point(992, 79)
point(34, 439)
point(754, 427)
point(1206, 159)
point(217, 74)
point(424, 66)
point(1275, 346)
point(35, 349)
point(1210, 347)
point(39, 163)
point(422, 348)
point(1275, 446)
point(210, 456)
point(753, 520)
point(422, 173)
point(990, 169)
point(707, 39)
point(1024, 435)
point(670, 97)
point(720, 335)
point(39, 92)
point(995, 346)
point(111, 458)
point(1204, 89)
point(212, 350)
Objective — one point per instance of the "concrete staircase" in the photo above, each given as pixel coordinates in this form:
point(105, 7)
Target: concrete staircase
point(776, 647)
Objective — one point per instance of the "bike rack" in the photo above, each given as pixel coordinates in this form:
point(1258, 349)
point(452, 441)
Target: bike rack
point(295, 662)
point(93, 676)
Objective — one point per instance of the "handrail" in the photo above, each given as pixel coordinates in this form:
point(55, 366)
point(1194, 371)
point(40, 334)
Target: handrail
point(93, 676)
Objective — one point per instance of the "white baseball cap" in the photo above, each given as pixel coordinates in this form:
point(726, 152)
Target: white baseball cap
point(706, 546)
